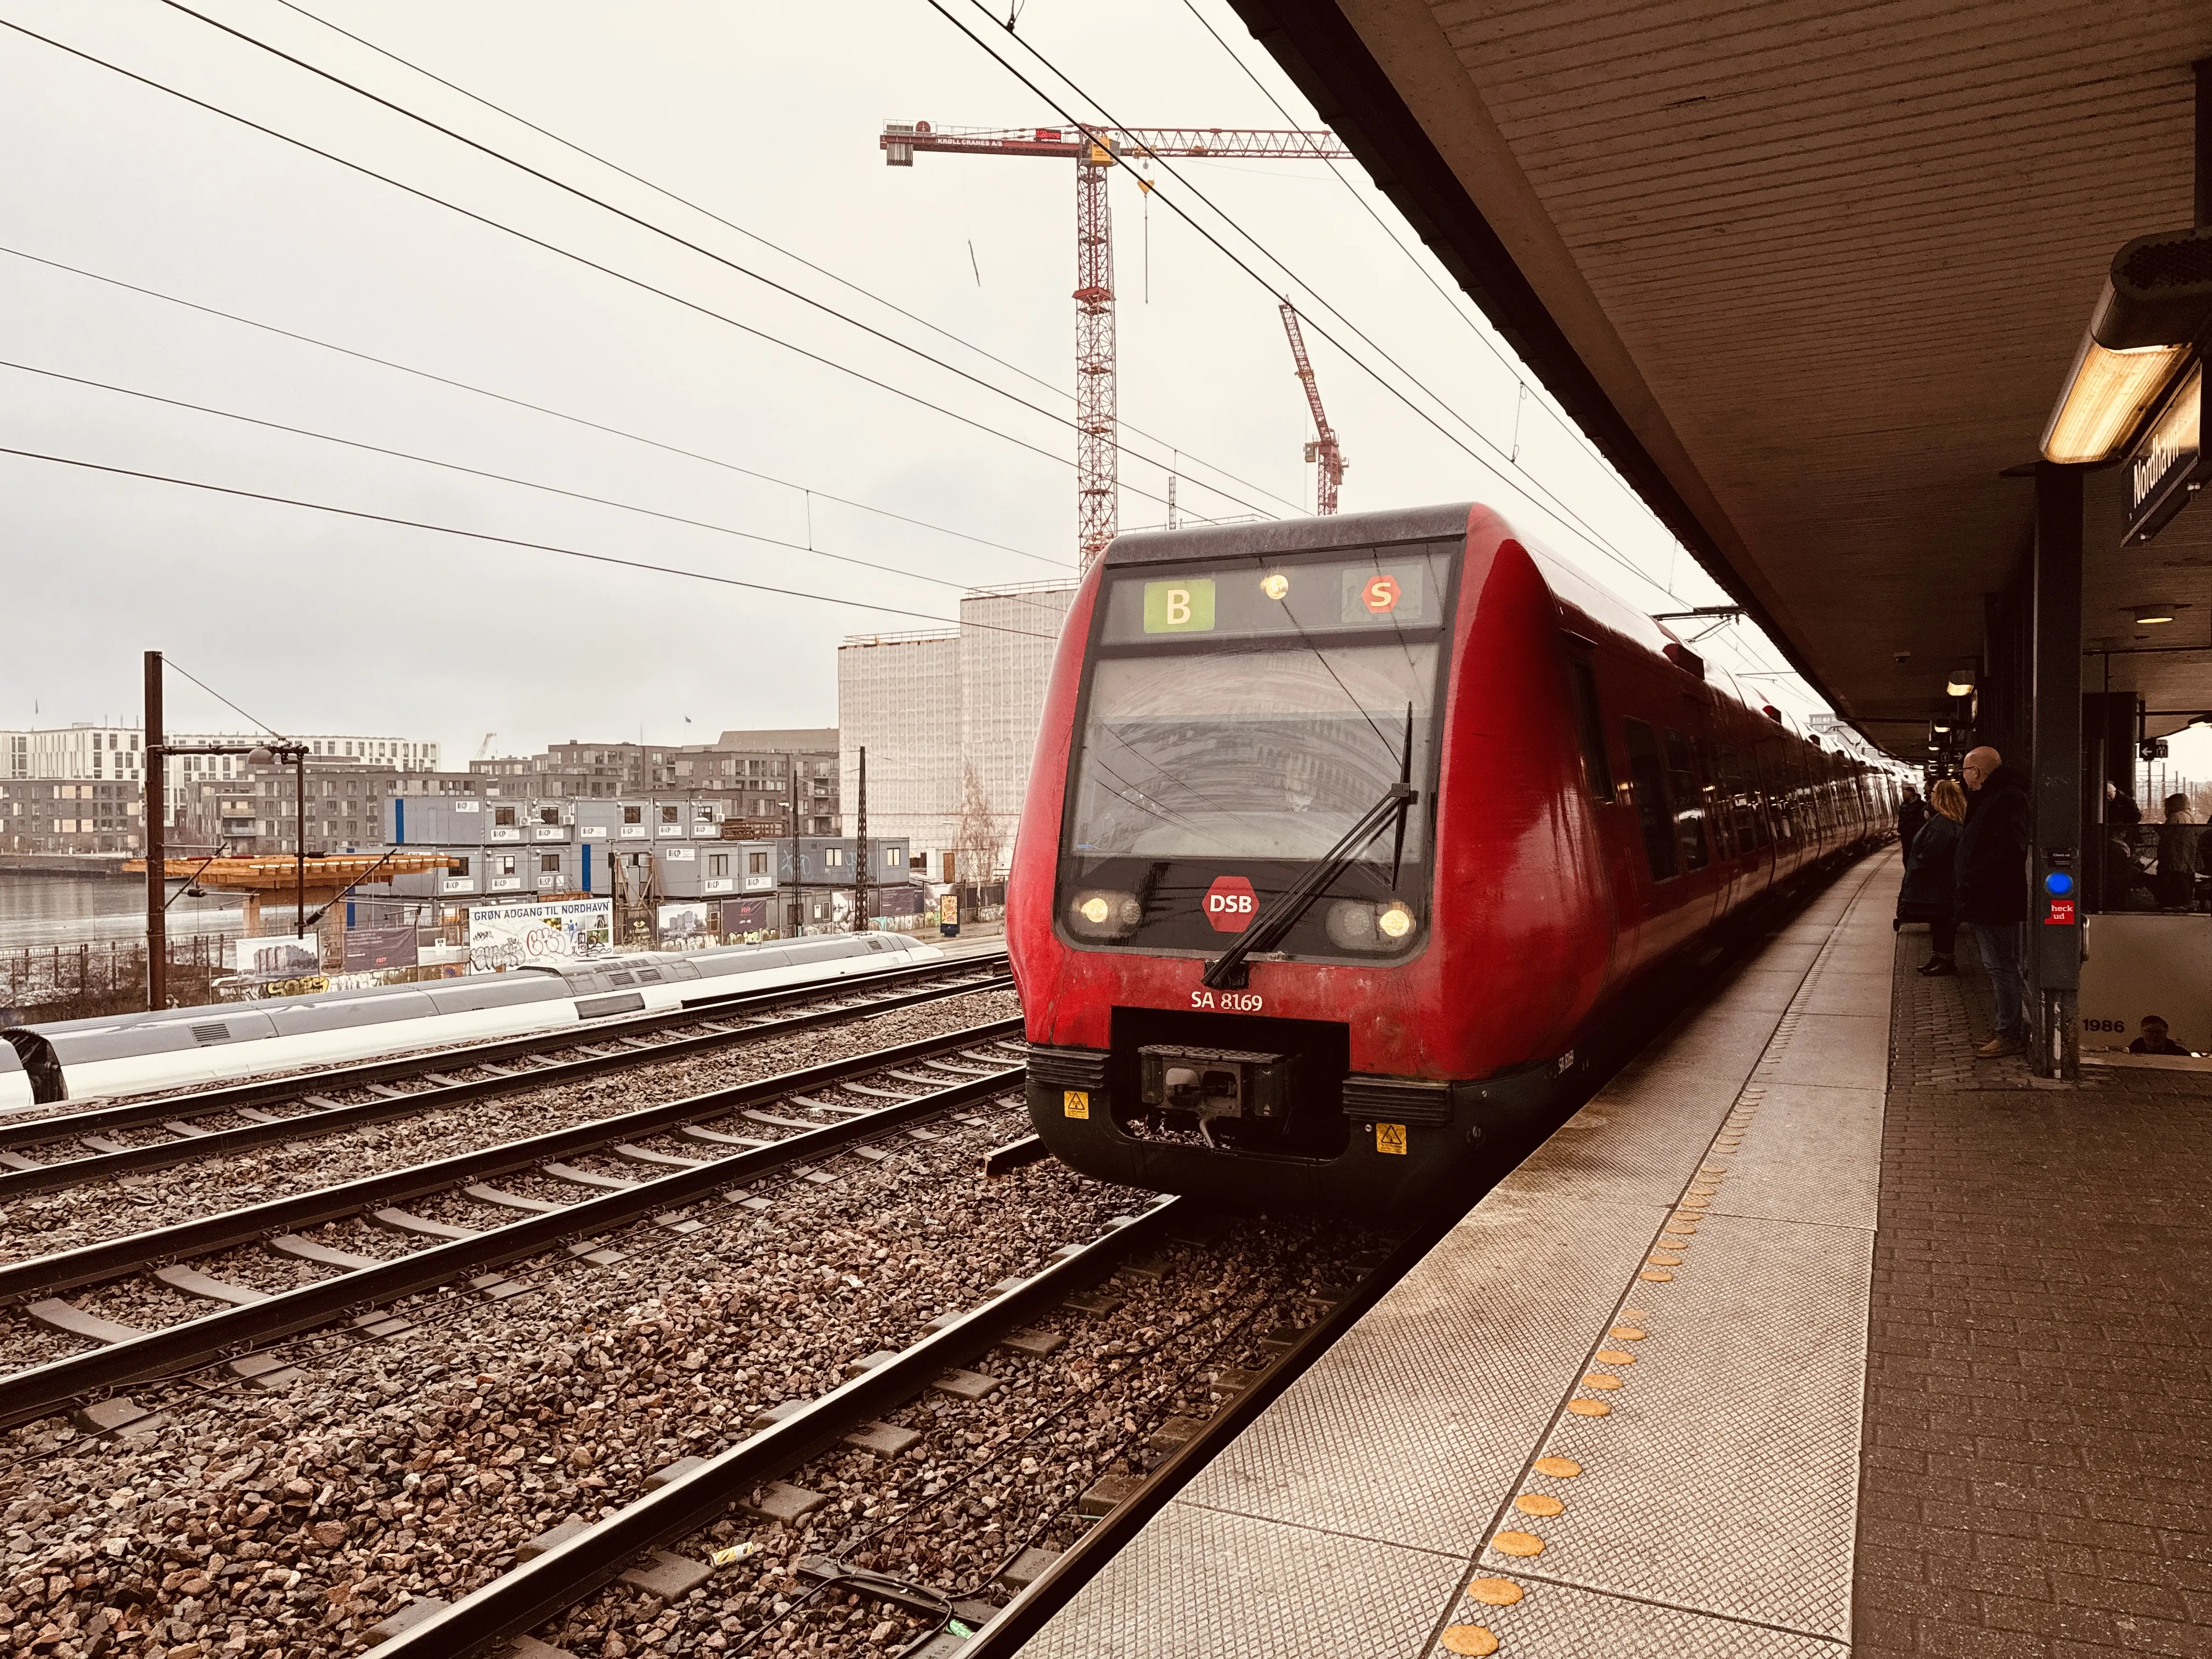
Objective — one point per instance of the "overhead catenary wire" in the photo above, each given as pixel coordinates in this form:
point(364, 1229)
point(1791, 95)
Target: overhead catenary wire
point(502, 478)
point(753, 236)
point(1558, 509)
point(638, 282)
point(510, 541)
point(1427, 276)
point(524, 403)
point(582, 195)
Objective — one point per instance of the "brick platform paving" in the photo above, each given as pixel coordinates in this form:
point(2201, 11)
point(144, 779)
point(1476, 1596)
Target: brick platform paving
point(2037, 1458)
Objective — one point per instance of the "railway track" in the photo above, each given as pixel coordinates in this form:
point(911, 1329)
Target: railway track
point(609, 1175)
point(703, 1502)
point(214, 1122)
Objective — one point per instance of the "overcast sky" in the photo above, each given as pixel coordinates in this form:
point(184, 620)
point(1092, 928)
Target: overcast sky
point(769, 116)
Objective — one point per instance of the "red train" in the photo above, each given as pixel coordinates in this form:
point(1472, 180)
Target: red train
point(1347, 838)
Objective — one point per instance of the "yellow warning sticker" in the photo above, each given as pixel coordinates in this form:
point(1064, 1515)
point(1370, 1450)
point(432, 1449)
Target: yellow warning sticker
point(1390, 1138)
point(1075, 1103)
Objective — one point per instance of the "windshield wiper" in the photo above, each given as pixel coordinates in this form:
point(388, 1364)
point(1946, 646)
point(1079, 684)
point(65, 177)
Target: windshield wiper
point(1227, 972)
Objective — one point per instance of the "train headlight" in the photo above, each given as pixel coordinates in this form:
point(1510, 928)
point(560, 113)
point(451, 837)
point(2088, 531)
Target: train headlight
point(1276, 586)
point(1357, 925)
point(1104, 915)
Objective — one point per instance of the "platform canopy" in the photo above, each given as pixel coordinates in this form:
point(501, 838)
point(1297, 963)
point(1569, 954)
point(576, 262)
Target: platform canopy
point(1812, 275)
point(278, 874)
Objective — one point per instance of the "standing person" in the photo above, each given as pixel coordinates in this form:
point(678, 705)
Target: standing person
point(1992, 863)
point(1930, 892)
point(2175, 882)
point(1912, 813)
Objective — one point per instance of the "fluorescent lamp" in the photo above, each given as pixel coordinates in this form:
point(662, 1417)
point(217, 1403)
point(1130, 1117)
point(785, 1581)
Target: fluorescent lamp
point(2149, 616)
point(2106, 392)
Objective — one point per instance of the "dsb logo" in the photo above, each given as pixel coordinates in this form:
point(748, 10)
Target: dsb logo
point(1230, 903)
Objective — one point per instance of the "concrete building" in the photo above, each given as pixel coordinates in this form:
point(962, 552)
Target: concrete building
point(44, 815)
point(950, 721)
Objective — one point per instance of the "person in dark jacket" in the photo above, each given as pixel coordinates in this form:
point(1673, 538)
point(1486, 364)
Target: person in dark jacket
point(1991, 867)
point(2175, 882)
point(1930, 892)
point(1912, 813)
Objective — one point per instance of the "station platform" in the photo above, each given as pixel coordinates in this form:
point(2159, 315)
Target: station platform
point(1809, 1332)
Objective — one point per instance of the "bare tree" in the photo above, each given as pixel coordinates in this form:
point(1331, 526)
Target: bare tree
point(977, 835)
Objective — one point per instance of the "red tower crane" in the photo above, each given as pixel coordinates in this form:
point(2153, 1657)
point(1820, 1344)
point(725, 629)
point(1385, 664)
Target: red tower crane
point(1323, 449)
point(1094, 150)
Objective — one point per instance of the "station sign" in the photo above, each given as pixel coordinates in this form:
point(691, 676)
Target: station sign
point(2166, 466)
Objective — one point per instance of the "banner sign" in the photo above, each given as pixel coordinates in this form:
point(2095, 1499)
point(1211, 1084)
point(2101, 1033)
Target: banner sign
point(512, 935)
point(372, 947)
point(275, 956)
point(695, 924)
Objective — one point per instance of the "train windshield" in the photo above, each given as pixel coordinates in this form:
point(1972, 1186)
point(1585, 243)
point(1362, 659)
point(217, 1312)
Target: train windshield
point(1252, 753)
point(1237, 722)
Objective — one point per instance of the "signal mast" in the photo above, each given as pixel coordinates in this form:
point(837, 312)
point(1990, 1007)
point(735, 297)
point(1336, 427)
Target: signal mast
point(1094, 150)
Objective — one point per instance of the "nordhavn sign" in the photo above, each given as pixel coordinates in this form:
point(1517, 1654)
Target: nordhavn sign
point(2167, 466)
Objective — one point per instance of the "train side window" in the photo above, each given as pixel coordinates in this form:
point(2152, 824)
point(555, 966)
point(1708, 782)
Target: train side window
point(1721, 824)
point(1689, 813)
point(1650, 792)
point(1589, 726)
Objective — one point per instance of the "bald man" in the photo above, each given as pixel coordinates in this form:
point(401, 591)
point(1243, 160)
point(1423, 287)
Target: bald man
point(1993, 886)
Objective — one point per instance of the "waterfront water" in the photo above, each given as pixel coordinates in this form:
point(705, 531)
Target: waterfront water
point(40, 910)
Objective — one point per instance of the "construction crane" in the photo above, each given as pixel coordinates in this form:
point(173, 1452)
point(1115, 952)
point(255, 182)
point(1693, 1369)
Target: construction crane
point(484, 751)
point(1095, 150)
point(1323, 449)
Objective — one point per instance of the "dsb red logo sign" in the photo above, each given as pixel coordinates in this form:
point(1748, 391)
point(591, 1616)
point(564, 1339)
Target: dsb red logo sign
point(1230, 903)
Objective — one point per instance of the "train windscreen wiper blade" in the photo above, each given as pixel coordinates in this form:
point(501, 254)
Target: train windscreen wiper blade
point(1226, 972)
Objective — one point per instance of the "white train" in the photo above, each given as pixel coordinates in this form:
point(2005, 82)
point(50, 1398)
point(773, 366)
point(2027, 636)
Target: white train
point(186, 1048)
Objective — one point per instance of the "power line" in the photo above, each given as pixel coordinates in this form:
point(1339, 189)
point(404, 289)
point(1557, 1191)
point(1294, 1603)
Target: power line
point(1558, 509)
point(753, 236)
point(497, 478)
point(724, 260)
point(511, 541)
point(1427, 276)
point(524, 403)
point(593, 264)
point(169, 661)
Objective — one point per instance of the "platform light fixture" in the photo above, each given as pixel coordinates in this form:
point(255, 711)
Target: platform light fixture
point(2155, 306)
point(2150, 616)
point(1960, 683)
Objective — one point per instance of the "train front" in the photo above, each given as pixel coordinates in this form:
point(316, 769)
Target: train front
point(1249, 974)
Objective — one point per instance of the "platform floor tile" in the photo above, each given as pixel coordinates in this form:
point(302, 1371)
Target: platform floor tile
point(1288, 1592)
point(1559, 1621)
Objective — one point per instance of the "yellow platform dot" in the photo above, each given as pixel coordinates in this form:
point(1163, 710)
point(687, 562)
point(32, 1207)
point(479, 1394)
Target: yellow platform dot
point(1656, 1276)
point(1694, 1204)
point(1517, 1543)
point(1662, 1259)
point(1626, 1333)
point(1600, 1380)
point(1494, 1592)
point(1559, 1468)
point(1672, 1242)
point(1713, 1169)
point(1537, 1503)
point(1684, 1224)
point(1589, 1407)
point(1616, 1357)
point(1470, 1639)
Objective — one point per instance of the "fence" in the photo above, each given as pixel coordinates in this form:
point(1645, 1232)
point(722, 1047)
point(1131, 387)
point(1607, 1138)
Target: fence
point(79, 982)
